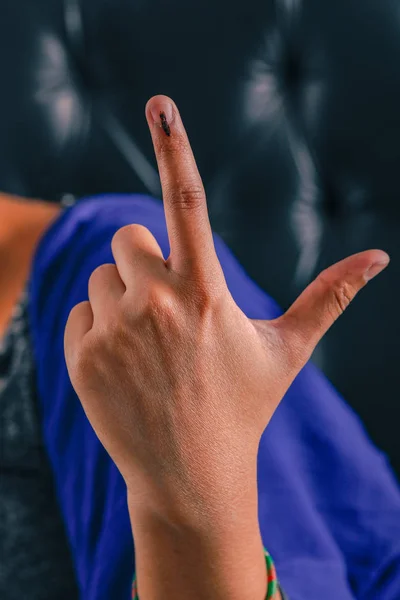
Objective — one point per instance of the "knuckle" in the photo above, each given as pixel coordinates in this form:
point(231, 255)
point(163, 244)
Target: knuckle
point(130, 233)
point(342, 292)
point(94, 351)
point(84, 361)
point(74, 316)
point(162, 299)
point(136, 229)
point(101, 272)
point(202, 300)
point(204, 297)
point(76, 311)
point(188, 195)
point(119, 234)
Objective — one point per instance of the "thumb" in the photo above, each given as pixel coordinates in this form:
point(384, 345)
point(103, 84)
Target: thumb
point(326, 298)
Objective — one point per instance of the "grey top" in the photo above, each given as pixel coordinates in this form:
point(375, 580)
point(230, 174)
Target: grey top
point(35, 561)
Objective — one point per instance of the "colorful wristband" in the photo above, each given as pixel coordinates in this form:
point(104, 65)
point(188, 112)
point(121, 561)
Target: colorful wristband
point(271, 575)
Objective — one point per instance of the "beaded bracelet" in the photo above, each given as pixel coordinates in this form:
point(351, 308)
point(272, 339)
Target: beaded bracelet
point(271, 578)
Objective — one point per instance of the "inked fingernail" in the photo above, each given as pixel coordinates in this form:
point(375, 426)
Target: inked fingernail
point(375, 269)
point(162, 113)
point(165, 124)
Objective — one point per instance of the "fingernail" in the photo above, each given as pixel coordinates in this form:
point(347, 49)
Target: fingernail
point(162, 113)
point(375, 269)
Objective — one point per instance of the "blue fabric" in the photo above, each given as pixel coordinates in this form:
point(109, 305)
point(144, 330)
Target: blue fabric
point(329, 506)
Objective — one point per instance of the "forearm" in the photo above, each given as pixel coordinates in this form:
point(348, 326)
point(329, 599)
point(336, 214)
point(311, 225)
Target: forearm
point(221, 559)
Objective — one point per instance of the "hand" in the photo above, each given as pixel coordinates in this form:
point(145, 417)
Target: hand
point(176, 381)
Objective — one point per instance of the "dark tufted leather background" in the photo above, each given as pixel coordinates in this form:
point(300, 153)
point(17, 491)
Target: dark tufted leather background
point(293, 110)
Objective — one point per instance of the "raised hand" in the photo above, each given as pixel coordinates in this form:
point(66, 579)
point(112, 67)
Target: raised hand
point(175, 379)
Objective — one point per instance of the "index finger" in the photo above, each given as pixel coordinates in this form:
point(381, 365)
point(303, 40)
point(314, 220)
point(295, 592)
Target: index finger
point(189, 230)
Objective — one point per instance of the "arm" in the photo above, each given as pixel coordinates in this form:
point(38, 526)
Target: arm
point(222, 559)
point(179, 384)
point(95, 511)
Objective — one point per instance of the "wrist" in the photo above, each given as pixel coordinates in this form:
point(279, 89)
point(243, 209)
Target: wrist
point(216, 518)
point(218, 501)
point(193, 561)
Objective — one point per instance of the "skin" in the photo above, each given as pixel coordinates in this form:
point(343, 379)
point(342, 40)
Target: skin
point(22, 224)
point(179, 384)
point(171, 373)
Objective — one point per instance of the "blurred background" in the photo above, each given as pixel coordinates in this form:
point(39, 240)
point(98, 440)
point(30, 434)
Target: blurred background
point(293, 111)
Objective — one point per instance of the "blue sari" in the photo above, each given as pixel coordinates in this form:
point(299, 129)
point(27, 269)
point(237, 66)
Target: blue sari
point(329, 505)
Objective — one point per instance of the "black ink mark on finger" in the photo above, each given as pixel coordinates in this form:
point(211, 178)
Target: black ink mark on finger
point(164, 124)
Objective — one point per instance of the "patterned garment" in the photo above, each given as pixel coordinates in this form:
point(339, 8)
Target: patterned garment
point(35, 559)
